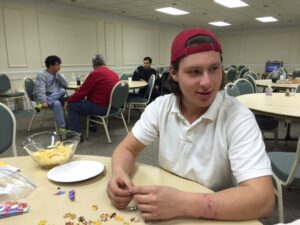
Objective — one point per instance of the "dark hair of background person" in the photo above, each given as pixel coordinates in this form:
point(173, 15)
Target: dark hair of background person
point(98, 60)
point(51, 60)
point(148, 58)
point(194, 41)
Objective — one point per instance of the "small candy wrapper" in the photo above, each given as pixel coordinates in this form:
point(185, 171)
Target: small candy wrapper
point(13, 208)
point(72, 195)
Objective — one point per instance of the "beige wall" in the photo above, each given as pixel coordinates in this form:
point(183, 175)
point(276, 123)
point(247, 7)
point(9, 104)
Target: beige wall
point(255, 47)
point(31, 30)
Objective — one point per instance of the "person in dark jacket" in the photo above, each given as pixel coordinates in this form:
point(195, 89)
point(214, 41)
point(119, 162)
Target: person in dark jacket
point(144, 73)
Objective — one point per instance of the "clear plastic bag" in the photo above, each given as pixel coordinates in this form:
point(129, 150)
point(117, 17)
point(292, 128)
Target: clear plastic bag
point(14, 186)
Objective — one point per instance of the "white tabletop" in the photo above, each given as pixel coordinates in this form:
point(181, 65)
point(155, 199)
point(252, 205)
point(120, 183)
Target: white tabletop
point(288, 84)
point(287, 107)
point(137, 84)
point(45, 205)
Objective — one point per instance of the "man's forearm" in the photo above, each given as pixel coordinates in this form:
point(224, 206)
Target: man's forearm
point(122, 161)
point(238, 203)
point(124, 156)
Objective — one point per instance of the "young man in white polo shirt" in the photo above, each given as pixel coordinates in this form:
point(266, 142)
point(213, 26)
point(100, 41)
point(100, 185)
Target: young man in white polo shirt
point(205, 136)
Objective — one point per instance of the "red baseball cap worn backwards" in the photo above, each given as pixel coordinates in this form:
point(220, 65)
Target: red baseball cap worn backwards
point(179, 49)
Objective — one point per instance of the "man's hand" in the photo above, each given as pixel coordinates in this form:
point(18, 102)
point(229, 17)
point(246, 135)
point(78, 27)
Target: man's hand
point(119, 190)
point(159, 202)
point(66, 105)
point(45, 105)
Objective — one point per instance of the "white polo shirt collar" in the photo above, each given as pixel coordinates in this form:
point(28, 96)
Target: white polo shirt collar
point(210, 114)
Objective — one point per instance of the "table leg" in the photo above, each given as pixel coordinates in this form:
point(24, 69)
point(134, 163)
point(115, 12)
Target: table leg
point(288, 135)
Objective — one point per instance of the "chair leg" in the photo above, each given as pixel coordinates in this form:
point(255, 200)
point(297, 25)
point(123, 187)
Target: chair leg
point(87, 127)
point(276, 138)
point(125, 125)
point(106, 130)
point(31, 121)
point(278, 192)
point(129, 109)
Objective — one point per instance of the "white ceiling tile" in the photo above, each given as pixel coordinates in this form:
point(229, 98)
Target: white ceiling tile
point(201, 11)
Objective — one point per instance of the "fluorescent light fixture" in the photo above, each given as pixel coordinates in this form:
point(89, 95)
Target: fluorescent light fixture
point(172, 11)
point(266, 19)
point(231, 3)
point(219, 24)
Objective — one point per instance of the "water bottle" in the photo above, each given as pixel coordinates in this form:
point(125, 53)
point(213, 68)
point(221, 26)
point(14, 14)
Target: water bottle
point(268, 95)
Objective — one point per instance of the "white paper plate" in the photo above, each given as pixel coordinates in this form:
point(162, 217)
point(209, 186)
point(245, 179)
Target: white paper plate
point(75, 171)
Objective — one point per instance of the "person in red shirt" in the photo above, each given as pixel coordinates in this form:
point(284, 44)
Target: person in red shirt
point(92, 98)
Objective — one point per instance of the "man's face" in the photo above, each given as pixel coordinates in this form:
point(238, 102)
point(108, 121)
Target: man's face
point(199, 77)
point(147, 64)
point(54, 68)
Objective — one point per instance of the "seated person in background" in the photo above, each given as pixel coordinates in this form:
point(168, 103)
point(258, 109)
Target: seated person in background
point(49, 89)
point(205, 136)
point(92, 98)
point(144, 73)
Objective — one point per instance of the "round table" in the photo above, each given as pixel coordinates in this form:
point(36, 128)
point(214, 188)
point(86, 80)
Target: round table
point(137, 84)
point(281, 106)
point(44, 205)
point(279, 86)
point(131, 84)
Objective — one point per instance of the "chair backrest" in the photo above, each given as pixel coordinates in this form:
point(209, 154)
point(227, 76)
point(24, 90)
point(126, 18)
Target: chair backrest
point(150, 86)
point(252, 74)
point(296, 73)
point(244, 86)
point(118, 96)
point(243, 71)
point(4, 83)
point(125, 76)
point(28, 87)
point(298, 89)
point(252, 81)
point(283, 71)
point(226, 68)
point(7, 129)
point(231, 75)
point(240, 67)
point(231, 90)
point(274, 74)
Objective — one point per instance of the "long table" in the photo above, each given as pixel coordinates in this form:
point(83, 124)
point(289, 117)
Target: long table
point(91, 200)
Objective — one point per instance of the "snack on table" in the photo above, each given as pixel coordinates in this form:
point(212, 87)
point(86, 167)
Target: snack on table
point(55, 155)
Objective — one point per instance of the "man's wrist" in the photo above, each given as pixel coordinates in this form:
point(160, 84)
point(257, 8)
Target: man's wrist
point(191, 205)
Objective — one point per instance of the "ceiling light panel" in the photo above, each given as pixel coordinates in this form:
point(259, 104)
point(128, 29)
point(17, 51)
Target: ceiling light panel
point(266, 19)
point(231, 3)
point(172, 11)
point(219, 24)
